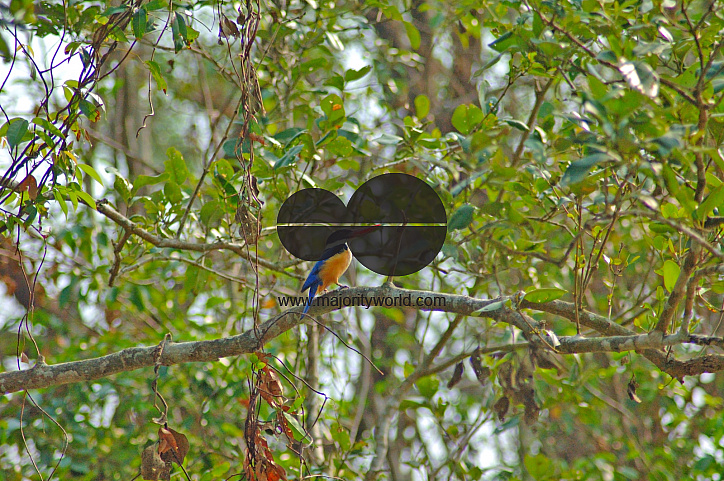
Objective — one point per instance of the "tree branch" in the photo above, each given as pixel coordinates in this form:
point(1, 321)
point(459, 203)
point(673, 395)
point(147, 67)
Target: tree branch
point(239, 249)
point(43, 375)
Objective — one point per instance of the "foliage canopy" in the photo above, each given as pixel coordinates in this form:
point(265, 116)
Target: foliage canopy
point(576, 146)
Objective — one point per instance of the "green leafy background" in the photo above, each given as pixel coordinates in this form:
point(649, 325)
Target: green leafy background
point(572, 144)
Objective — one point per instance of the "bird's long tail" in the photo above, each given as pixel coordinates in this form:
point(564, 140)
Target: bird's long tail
point(312, 292)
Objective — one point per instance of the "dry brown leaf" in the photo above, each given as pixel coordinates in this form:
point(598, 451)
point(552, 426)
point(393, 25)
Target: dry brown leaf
point(501, 407)
point(277, 473)
point(175, 445)
point(152, 466)
point(527, 395)
point(227, 28)
point(481, 372)
point(167, 441)
point(273, 383)
point(28, 184)
point(506, 374)
point(631, 390)
point(457, 375)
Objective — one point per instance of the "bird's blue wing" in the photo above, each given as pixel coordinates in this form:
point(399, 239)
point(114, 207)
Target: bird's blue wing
point(313, 276)
point(313, 287)
point(312, 283)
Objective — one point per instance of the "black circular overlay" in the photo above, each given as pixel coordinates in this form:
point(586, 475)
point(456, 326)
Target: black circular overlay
point(399, 199)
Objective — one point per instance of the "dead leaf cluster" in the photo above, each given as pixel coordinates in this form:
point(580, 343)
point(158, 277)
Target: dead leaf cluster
point(158, 458)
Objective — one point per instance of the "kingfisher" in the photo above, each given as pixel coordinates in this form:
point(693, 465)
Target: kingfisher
point(334, 262)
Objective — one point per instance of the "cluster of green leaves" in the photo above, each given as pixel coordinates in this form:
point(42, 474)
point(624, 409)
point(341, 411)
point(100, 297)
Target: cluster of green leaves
point(587, 115)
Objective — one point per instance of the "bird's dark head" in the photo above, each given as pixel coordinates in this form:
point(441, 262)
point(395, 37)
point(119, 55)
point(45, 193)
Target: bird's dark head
point(343, 235)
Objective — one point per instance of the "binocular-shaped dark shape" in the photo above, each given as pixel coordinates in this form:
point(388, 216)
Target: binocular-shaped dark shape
point(411, 214)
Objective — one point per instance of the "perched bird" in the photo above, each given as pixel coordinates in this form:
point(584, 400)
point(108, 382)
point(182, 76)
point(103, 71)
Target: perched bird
point(334, 262)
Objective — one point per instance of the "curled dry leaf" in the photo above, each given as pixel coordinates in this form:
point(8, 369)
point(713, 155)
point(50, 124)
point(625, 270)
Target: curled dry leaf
point(527, 396)
point(284, 425)
point(546, 359)
point(276, 473)
point(248, 224)
point(457, 375)
point(481, 372)
point(524, 374)
point(227, 28)
point(631, 390)
point(173, 446)
point(29, 184)
point(257, 138)
point(501, 407)
point(270, 388)
point(152, 466)
point(506, 374)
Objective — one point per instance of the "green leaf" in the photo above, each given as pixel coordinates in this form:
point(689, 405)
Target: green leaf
point(299, 433)
point(466, 117)
point(156, 74)
point(410, 404)
point(48, 126)
point(236, 147)
point(90, 171)
point(191, 34)
point(16, 131)
point(351, 75)
point(493, 306)
point(89, 110)
point(504, 42)
point(61, 201)
point(428, 386)
point(545, 294)
point(510, 423)
point(140, 19)
point(413, 34)
point(517, 124)
point(578, 169)
point(118, 35)
point(489, 64)
point(333, 108)
point(538, 466)
point(335, 81)
point(123, 187)
point(211, 213)
point(461, 218)
point(670, 271)
point(422, 106)
point(287, 136)
point(178, 30)
point(175, 165)
point(339, 146)
point(172, 192)
point(144, 180)
point(289, 157)
point(111, 10)
point(86, 198)
point(712, 201)
point(156, 5)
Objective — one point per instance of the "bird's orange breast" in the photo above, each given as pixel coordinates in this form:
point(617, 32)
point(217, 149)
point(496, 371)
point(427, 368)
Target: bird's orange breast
point(333, 268)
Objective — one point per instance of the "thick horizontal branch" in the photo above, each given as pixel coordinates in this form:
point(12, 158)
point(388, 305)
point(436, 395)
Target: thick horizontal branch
point(673, 367)
point(618, 338)
point(43, 375)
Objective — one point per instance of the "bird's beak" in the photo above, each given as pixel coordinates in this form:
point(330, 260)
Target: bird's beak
point(365, 231)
